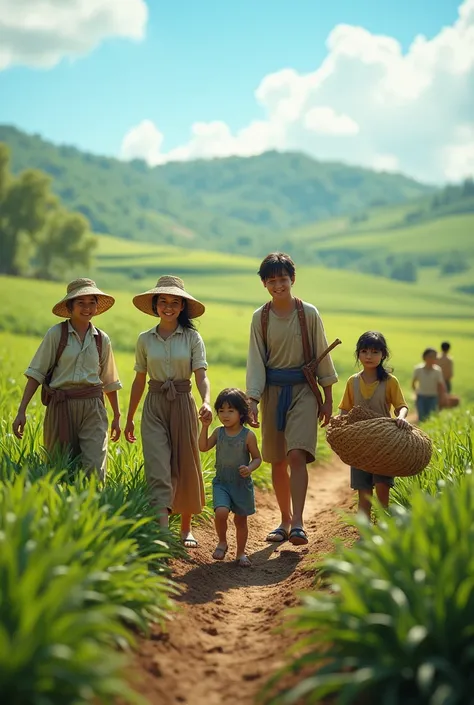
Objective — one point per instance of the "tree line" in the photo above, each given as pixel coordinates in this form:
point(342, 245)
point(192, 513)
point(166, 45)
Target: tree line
point(39, 237)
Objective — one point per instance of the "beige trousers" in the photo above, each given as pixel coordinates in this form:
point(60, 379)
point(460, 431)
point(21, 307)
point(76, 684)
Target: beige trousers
point(88, 432)
point(301, 428)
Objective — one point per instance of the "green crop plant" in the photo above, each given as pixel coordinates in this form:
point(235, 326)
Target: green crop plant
point(397, 622)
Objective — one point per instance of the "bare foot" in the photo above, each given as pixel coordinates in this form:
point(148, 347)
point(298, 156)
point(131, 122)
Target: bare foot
point(220, 551)
point(243, 561)
point(188, 540)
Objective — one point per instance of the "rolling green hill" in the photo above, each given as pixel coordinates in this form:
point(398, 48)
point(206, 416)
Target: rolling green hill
point(427, 241)
point(232, 205)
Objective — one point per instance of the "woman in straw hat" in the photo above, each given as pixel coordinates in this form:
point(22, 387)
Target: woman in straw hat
point(169, 353)
point(75, 364)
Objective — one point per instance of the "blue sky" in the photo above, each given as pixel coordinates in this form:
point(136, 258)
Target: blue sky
point(198, 62)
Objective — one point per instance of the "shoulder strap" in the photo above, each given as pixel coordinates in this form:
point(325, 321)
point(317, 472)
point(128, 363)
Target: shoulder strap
point(264, 320)
point(304, 332)
point(62, 342)
point(98, 342)
point(61, 347)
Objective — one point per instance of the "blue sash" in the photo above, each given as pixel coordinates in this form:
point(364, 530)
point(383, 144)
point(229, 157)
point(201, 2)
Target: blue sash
point(285, 379)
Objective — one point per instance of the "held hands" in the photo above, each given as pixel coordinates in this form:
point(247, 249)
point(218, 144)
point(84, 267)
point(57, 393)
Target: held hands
point(19, 423)
point(245, 471)
point(205, 414)
point(254, 422)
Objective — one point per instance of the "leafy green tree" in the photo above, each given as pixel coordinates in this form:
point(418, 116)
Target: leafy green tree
point(454, 263)
point(34, 229)
point(24, 203)
point(64, 244)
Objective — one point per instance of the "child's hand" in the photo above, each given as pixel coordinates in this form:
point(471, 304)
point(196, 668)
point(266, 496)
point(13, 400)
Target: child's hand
point(244, 471)
point(205, 420)
point(402, 423)
point(205, 413)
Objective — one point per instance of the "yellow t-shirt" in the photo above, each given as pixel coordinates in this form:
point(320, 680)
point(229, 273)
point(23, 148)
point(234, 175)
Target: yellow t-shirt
point(394, 395)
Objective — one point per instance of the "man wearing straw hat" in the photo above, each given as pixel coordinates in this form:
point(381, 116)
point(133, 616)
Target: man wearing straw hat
point(75, 365)
point(169, 353)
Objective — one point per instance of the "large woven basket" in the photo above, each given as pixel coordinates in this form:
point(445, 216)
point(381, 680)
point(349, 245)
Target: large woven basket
point(376, 444)
point(449, 402)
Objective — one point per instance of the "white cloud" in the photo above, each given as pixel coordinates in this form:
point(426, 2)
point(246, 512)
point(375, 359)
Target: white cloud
point(459, 156)
point(325, 121)
point(385, 162)
point(42, 32)
point(368, 103)
point(142, 142)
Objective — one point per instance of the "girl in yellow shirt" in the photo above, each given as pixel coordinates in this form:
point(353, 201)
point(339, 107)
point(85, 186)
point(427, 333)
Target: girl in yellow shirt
point(379, 390)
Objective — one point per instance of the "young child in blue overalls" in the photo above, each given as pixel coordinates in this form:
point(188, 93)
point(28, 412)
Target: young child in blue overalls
point(237, 456)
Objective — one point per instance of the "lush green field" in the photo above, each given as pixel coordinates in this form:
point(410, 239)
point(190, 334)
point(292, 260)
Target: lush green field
point(385, 228)
point(410, 316)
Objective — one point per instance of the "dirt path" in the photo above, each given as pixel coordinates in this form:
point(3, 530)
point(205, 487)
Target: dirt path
point(222, 644)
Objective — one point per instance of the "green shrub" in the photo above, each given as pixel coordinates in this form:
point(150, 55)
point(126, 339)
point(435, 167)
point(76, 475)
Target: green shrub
point(71, 580)
point(398, 625)
point(452, 433)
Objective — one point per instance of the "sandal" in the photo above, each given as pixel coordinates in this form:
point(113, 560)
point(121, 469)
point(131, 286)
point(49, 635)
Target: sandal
point(219, 553)
point(189, 541)
point(280, 535)
point(298, 536)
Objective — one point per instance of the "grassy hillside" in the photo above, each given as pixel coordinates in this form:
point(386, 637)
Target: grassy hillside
point(233, 205)
point(412, 316)
point(439, 246)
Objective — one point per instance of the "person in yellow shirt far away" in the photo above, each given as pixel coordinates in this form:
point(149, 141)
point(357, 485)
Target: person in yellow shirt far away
point(377, 389)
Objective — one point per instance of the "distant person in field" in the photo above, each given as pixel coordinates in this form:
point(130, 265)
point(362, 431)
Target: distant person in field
point(76, 366)
point(237, 456)
point(170, 353)
point(445, 361)
point(429, 385)
point(377, 389)
point(290, 411)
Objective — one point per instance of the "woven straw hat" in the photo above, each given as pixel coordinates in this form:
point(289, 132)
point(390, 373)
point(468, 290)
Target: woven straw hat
point(83, 287)
point(173, 286)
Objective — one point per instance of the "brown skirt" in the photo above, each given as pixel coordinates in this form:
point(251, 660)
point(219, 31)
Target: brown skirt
point(169, 429)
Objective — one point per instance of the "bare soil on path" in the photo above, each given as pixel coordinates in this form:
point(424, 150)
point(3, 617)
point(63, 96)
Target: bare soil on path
point(224, 642)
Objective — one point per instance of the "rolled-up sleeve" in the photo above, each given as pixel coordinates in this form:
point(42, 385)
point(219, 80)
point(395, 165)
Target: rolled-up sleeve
point(44, 356)
point(326, 372)
point(140, 355)
point(256, 370)
point(108, 369)
point(198, 353)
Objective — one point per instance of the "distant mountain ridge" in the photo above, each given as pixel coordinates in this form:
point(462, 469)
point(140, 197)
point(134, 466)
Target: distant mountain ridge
point(232, 204)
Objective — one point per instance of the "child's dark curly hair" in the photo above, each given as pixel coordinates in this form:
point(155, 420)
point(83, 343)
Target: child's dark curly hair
point(237, 399)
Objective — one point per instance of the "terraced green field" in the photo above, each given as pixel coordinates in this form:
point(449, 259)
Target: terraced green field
point(409, 315)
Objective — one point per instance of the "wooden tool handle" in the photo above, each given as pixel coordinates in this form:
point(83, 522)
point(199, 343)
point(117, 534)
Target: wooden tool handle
point(326, 352)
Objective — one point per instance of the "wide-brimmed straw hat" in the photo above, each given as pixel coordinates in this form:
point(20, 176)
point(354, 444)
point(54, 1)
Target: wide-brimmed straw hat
point(83, 287)
point(173, 286)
